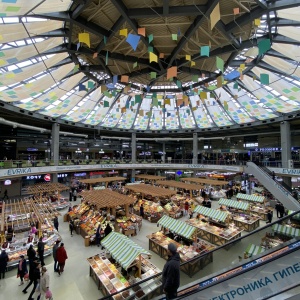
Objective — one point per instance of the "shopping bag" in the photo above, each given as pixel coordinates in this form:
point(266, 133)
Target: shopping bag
point(26, 277)
point(48, 294)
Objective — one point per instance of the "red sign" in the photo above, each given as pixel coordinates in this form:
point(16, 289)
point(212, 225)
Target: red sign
point(47, 177)
point(97, 173)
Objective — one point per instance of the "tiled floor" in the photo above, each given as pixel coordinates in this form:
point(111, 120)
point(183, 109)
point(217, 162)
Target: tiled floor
point(75, 283)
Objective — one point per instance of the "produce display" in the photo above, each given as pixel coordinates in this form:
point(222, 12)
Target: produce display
point(133, 222)
point(152, 210)
point(91, 221)
point(173, 210)
point(110, 280)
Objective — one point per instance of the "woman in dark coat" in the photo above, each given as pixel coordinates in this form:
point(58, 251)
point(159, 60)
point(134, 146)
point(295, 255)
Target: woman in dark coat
point(22, 269)
point(3, 263)
point(107, 230)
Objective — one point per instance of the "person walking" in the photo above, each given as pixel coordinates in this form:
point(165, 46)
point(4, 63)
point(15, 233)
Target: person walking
point(186, 207)
point(98, 235)
point(277, 207)
point(107, 230)
point(40, 250)
point(31, 274)
point(75, 195)
point(55, 223)
point(31, 254)
point(281, 210)
point(5, 195)
point(3, 263)
point(54, 253)
point(61, 256)
point(269, 216)
point(142, 211)
point(22, 269)
point(35, 278)
point(171, 273)
point(44, 283)
point(71, 227)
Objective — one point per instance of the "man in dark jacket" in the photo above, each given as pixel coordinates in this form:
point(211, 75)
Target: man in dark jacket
point(32, 271)
point(3, 263)
point(36, 275)
point(54, 250)
point(40, 250)
point(171, 273)
point(31, 254)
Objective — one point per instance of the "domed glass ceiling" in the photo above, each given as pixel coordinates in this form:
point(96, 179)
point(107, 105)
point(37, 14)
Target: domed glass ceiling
point(156, 65)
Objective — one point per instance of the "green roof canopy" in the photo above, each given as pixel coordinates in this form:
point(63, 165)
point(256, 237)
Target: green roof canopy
point(295, 217)
point(234, 204)
point(122, 249)
point(252, 198)
point(177, 227)
point(211, 213)
point(286, 230)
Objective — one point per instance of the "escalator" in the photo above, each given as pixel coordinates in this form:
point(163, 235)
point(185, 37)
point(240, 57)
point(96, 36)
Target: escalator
point(264, 277)
point(276, 189)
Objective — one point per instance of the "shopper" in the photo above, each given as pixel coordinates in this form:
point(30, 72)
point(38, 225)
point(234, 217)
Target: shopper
point(75, 195)
point(98, 235)
point(171, 273)
point(22, 269)
point(31, 254)
point(35, 278)
point(142, 210)
point(71, 227)
point(44, 283)
point(54, 253)
point(186, 207)
point(269, 216)
point(107, 230)
point(277, 207)
point(55, 223)
point(281, 210)
point(61, 256)
point(40, 250)
point(70, 195)
point(32, 273)
point(3, 263)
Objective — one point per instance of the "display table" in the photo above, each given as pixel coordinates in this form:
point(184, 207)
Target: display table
point(152, 211)
point(129, 225)
point(173, 210)
point(109, 279)
point(246, 222)
point(158, 243)
point(214, 234)
point(262, 212)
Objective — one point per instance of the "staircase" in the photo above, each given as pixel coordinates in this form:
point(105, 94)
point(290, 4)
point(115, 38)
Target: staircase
point(276, 189)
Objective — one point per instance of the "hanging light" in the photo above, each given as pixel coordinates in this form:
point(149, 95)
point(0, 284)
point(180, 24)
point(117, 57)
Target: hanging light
point(78, 151)
point(101, 151)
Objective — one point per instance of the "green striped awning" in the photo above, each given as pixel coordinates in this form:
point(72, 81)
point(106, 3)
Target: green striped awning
point(211, 213)
point(234, 204)
point(177, 227)
point(252, 198)
point(253, 249)
point(122, 249)
point(295, 217)
point(286, 230)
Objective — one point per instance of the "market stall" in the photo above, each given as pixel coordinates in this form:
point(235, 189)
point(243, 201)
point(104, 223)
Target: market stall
point(203, 181)
point(241, 216)
point(158, 243)
point(108, 275)
point(253, 250)
point(152, 210)
point(129, 226)
point(257, 204)
point(173, 210)
point(150, 178)
point(285, 232)
point(146, 190)
point(295, 219)
point(104, 180)
point(213, 226)
point(179, 185)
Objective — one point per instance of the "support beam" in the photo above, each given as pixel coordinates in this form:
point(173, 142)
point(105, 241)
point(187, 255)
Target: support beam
point(80, 8)
point(190, 31)
point(165, 7)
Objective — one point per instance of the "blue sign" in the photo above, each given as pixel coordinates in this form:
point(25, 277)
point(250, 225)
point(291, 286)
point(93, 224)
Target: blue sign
point(179, 173)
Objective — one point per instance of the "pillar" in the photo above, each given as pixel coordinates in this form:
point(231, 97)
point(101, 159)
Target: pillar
point(195, 148)
point(164, 152)
point(285, 136)
point(55, 148)
point(133, 147)
point(133, 175)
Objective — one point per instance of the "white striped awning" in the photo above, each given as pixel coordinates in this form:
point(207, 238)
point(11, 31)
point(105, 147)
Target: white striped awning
point(252, 198)
point(122, 249)
point(295, 217)
point(234, 204)
point(211, 213)
point(254, 250)
point(177, 227)
point(286, 230)
point(258, 189)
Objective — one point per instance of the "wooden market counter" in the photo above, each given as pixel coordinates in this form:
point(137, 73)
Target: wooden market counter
point(109, 280)
point(246, 223)
point(214, 234)
point(260, 211)
point(158, 243)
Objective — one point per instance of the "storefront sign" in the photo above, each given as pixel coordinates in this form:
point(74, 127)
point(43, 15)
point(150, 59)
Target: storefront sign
point(62, 175)
point(18, 171)
point(47, 177)
point(80, 174)
point(7, 182)
point(97, 173)
point(32, 177)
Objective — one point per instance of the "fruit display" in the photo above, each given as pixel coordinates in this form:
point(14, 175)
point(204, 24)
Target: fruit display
point(133, 222)
point(152, 210)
